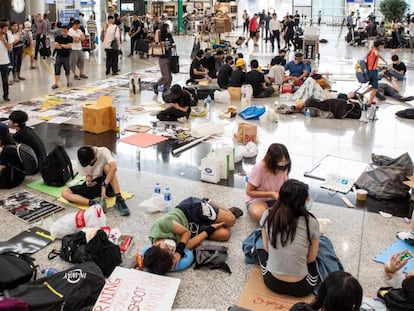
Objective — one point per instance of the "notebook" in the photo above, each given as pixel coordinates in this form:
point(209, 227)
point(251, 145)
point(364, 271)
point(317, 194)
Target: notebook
point(338, 183)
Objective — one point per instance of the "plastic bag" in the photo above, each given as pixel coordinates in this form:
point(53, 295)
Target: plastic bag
point(239, 152)
point(154, 204)
point(251, 150)
point(73, 222)
point(269, 116)
point(222, 97)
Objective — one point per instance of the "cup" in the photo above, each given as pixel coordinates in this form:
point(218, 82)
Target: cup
point(361, 195)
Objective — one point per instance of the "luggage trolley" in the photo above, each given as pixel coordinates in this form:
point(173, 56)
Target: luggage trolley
point(311, 43)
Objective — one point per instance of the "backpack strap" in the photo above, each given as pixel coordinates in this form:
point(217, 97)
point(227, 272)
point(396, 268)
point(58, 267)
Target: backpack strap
point(53, 254)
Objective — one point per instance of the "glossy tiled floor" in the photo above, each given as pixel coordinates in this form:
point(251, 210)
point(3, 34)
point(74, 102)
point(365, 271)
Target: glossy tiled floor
point(354, 231)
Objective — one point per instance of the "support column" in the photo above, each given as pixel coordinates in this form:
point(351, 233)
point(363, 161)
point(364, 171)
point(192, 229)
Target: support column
point(180, 16)
point(35, 7)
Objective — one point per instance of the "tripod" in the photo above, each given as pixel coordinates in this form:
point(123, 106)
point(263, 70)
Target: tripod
point(340, 32)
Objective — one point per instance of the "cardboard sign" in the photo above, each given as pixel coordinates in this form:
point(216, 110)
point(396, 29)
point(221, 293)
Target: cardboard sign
point(256, 296)
point(131, 289)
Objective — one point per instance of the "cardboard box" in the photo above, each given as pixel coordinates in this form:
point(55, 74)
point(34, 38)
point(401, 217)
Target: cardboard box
point(99, 117)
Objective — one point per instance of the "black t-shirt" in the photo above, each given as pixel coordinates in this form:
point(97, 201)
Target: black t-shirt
point(224, 75)
point(12, 175)
point(28, 136)
point(399, 67)
point(62, 40)
point(168, 42)
point(185, 101)
point(135, 25)
point(210, 64)
point(195, 65)
point(255, 79)
point(238, 77)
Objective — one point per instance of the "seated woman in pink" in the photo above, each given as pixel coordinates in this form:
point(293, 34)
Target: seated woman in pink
point(265, 180)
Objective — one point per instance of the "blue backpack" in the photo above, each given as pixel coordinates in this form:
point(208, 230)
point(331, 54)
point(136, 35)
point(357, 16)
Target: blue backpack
point(361, 71)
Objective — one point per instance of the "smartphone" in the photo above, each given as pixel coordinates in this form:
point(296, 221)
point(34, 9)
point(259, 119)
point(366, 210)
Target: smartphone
point(406, 255)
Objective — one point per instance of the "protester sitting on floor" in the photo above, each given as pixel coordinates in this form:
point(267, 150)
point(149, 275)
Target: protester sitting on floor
point(186, 226)
point(224, 75)
point(297, 70)
point(385, 89)
point(397, 70)
point(290, 231)
point(179, 108)
point(277, 71)
point(27, 135)
point(197, 71)
point(218, 60)
point(208, 62)
point(257, 80)
point(238, 55)
point(99, 168)
point(265, 180)
point(238, 76)
point(11, 168)
point(282, 53)
point(340, 291)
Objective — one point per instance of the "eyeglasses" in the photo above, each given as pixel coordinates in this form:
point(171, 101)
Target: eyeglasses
point(282, 167)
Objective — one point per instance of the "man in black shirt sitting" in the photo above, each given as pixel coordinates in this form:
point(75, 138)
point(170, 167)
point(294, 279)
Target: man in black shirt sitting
point(257, 80)
point(27, 135)
point(197, 70)
point(63, 45)
point(179, 108)
point(209, 63)
point(238, 76)
point(397, 70)
point(224, 75)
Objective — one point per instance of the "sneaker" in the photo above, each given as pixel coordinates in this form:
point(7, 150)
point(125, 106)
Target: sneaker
point(6, 98)
point(33, 67)
point(406, 236)
point(237, 212)
point(69, 84)
point(155, 88)
point(54, 86)
point(21, 78)
point(407, 98)
point(380, 96)
point(122, 207)
point(83, 76)
point(182, 119)
point(76, 77)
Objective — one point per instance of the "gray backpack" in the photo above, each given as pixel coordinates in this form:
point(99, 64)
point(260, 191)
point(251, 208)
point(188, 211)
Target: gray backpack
point(212, 256)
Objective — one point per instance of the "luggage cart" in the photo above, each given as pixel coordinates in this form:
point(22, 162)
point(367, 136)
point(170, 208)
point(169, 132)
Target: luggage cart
point(311, 47)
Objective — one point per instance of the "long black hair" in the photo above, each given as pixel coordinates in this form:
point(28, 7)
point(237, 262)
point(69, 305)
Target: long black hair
point(275, 153)
point(282, 220)
point(340, 291)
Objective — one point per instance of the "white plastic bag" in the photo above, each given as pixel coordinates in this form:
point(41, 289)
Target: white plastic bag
point(246, 94)
point(210, 169)
point(224, 160)
point(270, 116)
point(239, 152)
point(154, 204)
point(251, 150)
point(222, 97)
point(73, 222)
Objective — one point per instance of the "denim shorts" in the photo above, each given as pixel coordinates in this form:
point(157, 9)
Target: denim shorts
point(270, 203)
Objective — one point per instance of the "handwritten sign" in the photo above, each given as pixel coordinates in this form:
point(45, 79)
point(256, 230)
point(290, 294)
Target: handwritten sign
point(131, 289)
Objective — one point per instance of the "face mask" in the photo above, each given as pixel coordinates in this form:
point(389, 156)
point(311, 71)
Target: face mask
point(309, 204)
point(171, 244)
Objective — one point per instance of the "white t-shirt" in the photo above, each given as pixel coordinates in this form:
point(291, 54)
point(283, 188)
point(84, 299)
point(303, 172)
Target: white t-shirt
point(103, 157)
point(277, 72)
point(4, 54)
point(112, 33)
point(274, 24)
point(76, 46)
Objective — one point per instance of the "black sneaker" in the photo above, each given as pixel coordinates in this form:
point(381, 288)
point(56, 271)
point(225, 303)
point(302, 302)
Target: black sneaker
point(237, 212)
point(406, 98)
point(380, 96)
point(155, 88)
point(122, 207)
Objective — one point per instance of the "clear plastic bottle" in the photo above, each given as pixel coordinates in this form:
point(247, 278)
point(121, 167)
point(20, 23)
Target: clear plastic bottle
point(118, 125)
point(48, 271)
point(157, 188)
point(307, 113)
point(167, 200)
point(208, 105)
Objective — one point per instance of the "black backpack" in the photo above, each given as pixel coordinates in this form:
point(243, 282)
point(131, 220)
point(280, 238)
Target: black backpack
point(15, 269)
point(395, 299)
point(103, 252)
point(406, 113)
point(212, 256)
point(27, 157)
point(70, 290)
point(57, 168)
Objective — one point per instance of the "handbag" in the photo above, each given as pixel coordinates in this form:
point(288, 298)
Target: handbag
point(175, 62)
point(114, 45)
point(157, 49)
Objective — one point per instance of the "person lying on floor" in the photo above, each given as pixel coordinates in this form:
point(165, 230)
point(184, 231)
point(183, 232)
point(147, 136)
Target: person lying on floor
point(179, 107)
point(186, 226)
point(99, 168)
point(392, 90)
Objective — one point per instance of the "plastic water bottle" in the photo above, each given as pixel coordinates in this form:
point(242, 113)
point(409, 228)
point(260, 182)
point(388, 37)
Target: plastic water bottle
point(157, 188)
point(307, 113)
point(208, 105)
point(118, 125)
point(48, 271)
point(167, 200)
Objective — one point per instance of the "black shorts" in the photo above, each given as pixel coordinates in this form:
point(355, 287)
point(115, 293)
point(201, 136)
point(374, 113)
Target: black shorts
point(200, 214)
point(253, 34)
point(62, 61)
point(127, 29)
point(93, 191)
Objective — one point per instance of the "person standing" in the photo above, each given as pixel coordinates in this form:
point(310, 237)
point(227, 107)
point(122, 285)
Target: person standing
point(274, 28)
point(411, 31)
point(28, 43)
point(41, 30)
point(5, 47)
point(289, 32)
point(163, 35)
point(245, 17)
point(92, 29)
point(253, 27)
point(76, 55)
point(17, 51)
point(134, 33)
point(112, 43)
point(319, 17)
point(63, 45)
point(127, 24)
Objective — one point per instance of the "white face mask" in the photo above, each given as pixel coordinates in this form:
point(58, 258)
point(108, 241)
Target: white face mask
point(171, 244)
point(309, 204)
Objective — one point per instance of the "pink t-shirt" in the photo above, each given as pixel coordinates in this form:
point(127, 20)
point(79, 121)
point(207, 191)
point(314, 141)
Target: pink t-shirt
point(263, 181)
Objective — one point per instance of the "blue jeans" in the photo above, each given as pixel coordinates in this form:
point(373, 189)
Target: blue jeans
point(4, 71)
point(396, 75)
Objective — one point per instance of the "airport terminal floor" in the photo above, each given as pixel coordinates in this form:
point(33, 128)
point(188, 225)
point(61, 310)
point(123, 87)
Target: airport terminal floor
point(358, 233)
